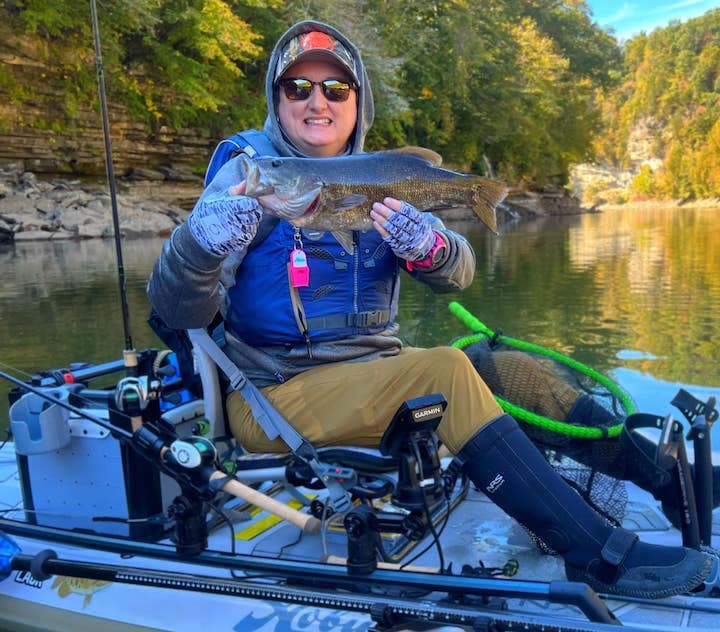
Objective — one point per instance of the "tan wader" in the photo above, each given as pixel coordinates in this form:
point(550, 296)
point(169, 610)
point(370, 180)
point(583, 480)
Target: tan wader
point(351, 403)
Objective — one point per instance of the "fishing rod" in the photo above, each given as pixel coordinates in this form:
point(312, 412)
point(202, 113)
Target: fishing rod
point(129, 353)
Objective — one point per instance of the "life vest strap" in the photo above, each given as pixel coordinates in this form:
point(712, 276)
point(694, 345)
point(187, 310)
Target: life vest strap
point(337, 321)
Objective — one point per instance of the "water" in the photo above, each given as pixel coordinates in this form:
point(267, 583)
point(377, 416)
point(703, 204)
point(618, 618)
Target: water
point(633, 293)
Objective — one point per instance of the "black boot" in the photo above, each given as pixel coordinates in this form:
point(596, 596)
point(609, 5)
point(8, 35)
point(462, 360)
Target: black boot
point(502, 462)
point(630, 466)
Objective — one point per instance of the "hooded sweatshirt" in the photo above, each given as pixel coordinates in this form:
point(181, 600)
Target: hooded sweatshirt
point(190, 285)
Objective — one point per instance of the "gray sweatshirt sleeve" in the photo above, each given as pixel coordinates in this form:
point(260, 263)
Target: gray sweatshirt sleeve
point(184, 287)
point(456, 270)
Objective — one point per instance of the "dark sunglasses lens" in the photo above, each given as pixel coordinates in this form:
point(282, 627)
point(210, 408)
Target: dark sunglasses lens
point(336, 90)
point(297, 89)
point(301, 89)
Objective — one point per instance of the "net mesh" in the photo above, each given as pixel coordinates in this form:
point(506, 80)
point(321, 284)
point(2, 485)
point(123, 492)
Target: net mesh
point(540, 385)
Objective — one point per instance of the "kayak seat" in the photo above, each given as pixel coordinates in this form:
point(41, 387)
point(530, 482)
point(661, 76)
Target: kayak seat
point(255, 467)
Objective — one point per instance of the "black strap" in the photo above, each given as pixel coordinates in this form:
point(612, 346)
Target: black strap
point(337, 321)
point(613, 554)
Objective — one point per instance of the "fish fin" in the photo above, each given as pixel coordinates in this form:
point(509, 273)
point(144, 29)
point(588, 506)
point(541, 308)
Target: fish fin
point(486, 195)
point(347, 202)
point(344, 238)
point(431, 156)
point(438, 206)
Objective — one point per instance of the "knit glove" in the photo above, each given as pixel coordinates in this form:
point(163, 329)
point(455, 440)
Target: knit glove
point(225, 224)
point(410, 233)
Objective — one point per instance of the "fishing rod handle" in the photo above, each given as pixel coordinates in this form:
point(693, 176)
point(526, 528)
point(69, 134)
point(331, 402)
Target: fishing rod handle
point(309, 524)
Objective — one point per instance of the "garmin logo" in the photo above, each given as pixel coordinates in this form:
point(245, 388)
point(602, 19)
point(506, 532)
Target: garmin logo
point(435, 411)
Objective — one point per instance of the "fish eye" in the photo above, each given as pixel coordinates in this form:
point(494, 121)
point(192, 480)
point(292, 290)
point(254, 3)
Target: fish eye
point(276, 163)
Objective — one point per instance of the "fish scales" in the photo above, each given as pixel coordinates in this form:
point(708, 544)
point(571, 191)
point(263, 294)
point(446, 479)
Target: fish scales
point(422, 195)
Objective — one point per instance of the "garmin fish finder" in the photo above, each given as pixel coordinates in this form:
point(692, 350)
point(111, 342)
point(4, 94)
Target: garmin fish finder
point(411, 438)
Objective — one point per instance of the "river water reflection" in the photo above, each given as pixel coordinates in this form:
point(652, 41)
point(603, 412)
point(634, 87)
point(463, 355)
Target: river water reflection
point(633, 293)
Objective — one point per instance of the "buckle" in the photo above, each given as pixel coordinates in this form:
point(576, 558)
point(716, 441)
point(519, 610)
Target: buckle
point(367, 319)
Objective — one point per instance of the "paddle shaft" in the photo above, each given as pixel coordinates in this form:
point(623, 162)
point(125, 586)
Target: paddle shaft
point(401, 610)
point(562, 592)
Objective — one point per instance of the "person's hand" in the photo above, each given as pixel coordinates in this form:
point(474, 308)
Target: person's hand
point(405, 229)
point(227, 223)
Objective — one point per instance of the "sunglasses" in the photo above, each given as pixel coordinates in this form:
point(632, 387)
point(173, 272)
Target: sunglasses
point(301, 89)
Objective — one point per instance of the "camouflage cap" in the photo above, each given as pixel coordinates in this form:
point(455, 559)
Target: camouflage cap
point(316, 45)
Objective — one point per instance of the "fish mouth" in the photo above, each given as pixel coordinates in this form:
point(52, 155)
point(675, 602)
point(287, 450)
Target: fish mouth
point(255, 184)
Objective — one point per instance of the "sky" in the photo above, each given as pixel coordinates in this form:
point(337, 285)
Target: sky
point(629, 17)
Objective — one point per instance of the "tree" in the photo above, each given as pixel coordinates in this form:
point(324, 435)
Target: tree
point(671, 84)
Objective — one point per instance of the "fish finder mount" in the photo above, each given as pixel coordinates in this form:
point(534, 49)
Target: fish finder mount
point(411, 439)
point(420, 489)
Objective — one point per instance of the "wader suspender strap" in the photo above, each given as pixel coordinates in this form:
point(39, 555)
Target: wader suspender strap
point(274, 424)
point(299, 313)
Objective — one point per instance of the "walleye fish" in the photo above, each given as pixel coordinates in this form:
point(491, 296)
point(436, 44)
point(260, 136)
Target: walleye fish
point(336, 194)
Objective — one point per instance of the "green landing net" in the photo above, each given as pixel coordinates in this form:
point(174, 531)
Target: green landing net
point(482, 332)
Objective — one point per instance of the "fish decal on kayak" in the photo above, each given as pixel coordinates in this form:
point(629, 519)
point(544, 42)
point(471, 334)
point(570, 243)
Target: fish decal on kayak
point(80, 586)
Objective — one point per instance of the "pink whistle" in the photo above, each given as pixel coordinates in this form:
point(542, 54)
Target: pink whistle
point(299, 270)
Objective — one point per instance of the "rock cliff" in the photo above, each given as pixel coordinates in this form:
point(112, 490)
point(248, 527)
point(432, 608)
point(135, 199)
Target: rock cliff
point(51, 129)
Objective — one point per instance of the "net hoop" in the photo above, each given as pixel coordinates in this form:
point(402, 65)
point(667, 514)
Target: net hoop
point(552, 425)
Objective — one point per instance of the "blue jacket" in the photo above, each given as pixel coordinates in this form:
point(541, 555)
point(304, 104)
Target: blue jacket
point(349, 292)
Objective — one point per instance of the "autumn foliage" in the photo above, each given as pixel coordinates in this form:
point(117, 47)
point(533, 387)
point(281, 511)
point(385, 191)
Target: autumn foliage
point(520, 89)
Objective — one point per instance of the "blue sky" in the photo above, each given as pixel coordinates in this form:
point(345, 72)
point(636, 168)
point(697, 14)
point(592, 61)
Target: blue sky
point(629, 17)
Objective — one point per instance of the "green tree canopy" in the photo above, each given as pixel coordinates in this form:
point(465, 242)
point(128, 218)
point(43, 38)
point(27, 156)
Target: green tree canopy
point(506, 86)
point(670, 87)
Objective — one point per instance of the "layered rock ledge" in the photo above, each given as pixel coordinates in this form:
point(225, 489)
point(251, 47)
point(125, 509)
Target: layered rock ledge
point(151, 202)
point(148, 205)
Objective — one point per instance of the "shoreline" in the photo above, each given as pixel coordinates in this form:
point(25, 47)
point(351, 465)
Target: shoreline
point(34, 208)
point(704, 203)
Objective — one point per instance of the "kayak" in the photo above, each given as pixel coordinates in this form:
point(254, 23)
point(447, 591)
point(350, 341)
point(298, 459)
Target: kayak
point(122, 508)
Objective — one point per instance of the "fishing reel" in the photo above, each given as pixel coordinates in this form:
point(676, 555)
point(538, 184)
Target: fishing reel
point(191, 462)
point(133, 394)
point(193, 453)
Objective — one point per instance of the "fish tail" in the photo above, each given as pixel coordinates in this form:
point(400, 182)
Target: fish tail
point(486, 194)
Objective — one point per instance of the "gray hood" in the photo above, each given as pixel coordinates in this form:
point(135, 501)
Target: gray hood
point(366, 109)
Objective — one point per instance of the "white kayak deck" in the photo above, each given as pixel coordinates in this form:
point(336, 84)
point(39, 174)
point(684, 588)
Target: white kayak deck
point(476, 531)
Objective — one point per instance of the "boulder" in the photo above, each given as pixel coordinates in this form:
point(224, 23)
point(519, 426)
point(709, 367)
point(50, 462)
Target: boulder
point(32, 208)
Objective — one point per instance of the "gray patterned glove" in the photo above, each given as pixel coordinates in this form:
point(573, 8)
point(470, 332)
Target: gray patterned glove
point(225, 224)
point(411, 235)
